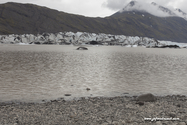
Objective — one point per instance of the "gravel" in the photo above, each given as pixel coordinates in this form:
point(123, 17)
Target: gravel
point(96, 111)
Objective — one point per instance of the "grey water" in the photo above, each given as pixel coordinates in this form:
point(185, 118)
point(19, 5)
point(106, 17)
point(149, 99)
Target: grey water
point(37, 72)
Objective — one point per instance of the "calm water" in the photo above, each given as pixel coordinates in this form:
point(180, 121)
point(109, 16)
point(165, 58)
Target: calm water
point(34, 72)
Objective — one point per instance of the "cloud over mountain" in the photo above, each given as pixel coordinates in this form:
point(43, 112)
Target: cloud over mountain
point(119, 4)
point(154, 9)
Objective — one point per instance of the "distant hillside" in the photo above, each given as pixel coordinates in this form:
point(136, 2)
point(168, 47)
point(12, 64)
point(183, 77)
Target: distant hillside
point(145, 24)
point(16, 18)
point(27, 18)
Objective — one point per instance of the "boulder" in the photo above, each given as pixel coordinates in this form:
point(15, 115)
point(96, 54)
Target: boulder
point(82, 48)
point(146, 98)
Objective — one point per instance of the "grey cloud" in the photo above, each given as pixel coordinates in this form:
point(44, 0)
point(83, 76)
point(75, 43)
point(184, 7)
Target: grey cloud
point(181, 4)
point(115, 4)
point(94, 8)
point(91, 8)
point(19, 1)
point(119, 4)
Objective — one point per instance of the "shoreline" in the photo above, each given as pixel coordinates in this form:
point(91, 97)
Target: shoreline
point(70, 97)
point(98, 110)
point(183, 45)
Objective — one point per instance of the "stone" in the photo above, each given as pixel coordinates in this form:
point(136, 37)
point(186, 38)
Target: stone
point(106, 123)
point(82, 48)
point(140, 103)
point(54, 101)
point(158, 123)
point(172, 114)
point(87, 89)
point(146, 98)
point(67, 94)
point(96, 111)
point(182, 123)
point(178, 105)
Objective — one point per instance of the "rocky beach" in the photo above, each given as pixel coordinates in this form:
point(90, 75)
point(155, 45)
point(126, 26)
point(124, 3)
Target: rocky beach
point(141, 110)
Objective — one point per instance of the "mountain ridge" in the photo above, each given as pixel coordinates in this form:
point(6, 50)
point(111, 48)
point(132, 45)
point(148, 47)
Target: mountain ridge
point(154, 9)
point(16, 18)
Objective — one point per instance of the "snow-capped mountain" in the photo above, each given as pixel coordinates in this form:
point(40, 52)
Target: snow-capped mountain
point(163, 9)
point(154, 9)
point(180, 13)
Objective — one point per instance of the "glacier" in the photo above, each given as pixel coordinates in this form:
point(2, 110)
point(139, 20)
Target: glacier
point(84, 38)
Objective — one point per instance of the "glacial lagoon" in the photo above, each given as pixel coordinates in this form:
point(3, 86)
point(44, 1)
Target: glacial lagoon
point(32, 73)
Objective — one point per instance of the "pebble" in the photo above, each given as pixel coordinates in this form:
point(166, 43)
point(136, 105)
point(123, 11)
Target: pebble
point(140, 103)
point(158, 123)
point(182, 123)
point(87, 89)
point(94, 110)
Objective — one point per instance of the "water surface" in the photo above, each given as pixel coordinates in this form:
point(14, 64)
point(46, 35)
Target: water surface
point(36, 72)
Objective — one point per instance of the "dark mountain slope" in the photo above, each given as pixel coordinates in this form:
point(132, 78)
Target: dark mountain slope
point(145, 24)
point(28, 18)
point(16, 18)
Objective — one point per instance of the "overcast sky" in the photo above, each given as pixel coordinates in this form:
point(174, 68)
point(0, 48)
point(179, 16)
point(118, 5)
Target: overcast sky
point(96, 8)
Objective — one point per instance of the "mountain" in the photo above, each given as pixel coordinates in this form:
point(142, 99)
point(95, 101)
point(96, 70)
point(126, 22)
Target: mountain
point(16, 18)
point(28, 18)
point(153, 20)
point(154, 9)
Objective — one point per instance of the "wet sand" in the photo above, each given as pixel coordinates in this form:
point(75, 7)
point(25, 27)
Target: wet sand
point(96, 111)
